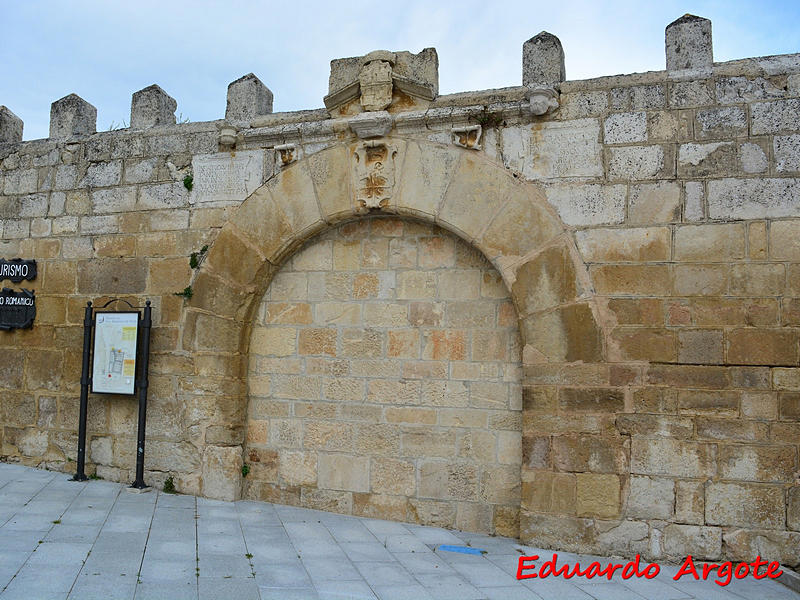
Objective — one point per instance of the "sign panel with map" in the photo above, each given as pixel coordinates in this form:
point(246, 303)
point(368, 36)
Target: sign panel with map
point(114, 366)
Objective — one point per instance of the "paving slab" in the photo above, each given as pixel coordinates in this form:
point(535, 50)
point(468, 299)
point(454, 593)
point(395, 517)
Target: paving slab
point(64, 540)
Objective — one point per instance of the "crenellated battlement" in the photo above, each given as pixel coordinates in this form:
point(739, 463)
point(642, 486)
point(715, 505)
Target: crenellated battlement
point(411, 86)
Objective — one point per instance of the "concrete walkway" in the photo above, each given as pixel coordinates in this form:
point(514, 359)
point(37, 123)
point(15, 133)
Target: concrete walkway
point(60, 539)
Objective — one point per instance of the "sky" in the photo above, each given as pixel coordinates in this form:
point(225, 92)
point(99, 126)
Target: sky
point(104, 51)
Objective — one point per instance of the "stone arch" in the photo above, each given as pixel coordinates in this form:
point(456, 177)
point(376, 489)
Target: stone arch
point(462, 191)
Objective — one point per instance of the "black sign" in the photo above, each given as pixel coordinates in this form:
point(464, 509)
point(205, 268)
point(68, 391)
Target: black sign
point(17, 309)
point(17, 269)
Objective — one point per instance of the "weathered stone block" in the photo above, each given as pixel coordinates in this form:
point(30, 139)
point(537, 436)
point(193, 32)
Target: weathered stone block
point(784, 237)
point(718, 242)
point(636, 280)
point(787, 153)
point(588, 204)
point(10, 127)
point(597, 495)
point(720, 123)
point(623, 128)
point(591, 400)
point(753, 198)
point(543, 61)
point(222, 472)
point(248, 98)
point(582, 453)
point(700, 542)
point(152, 107)
point(565, 149)
point(780, 546)
point(567, 334)
point(72, 116)
point(762, 347)
point(651, 498)
point(654, 203)
point(700, 346)
point(703, 160)
point(112, 276)
point(688, 44)
point(774, 117)
point(757, 463)
point(632, 244)
point(343, 472)
point(547, 280)
point(672, 458)
point(637, 162)
point(745, 505)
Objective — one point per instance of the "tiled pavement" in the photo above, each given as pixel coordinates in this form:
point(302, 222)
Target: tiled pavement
point(60, 539)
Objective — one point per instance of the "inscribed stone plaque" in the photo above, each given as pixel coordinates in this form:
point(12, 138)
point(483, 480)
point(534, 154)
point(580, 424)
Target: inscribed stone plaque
point(226, 176)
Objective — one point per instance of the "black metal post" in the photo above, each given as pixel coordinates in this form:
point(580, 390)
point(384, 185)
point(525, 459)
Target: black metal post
point(142, 384)
point(85, 381)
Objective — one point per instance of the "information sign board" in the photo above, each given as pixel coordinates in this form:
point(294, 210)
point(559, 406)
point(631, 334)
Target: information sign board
point(114, 366)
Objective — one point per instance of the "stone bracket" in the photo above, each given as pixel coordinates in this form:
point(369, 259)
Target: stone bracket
point(371, 124)
point(227, 136)
point(468, 137)
point(286, 154)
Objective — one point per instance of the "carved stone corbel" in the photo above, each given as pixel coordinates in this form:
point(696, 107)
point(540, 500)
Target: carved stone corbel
point(542, 100)
point(285, 154)
point(468, 137)
point(227, 136)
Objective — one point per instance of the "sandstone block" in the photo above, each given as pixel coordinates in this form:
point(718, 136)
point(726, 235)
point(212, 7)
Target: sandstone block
point(745, 505)
point(651, 498)
point(392, 476)
point(672, 458)
point(582, 453)
point(690, 502)
point(152, 107)
point(566, 149)
point(780, 546)
point(700, 542)
point(221, 472)
point(757, 463)
point(597, 495)
point(636, 343)
point(343, 472)
point(567, 334)
point(718, 242)
point(547, 280)
point(762, 347)
point(700, 346)
point(633, 244)
point(72, 116)
point(591, 400)
point(703, 160)
point(784, 239)
point(448, 480)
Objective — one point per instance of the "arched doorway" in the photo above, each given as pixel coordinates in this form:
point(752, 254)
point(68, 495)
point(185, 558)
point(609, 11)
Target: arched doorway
point(384, 380)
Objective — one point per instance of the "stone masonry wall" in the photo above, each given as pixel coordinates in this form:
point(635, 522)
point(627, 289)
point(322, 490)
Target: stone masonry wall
point(384, 380)
point(646, 226)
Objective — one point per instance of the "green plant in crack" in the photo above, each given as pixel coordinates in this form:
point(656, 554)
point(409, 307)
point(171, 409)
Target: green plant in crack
point(188, 182)
point(187, 292)
point(245, 470)
point(169, 486)
point(197, 257)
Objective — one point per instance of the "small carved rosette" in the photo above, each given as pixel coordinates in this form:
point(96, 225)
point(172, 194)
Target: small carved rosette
point(373, 174)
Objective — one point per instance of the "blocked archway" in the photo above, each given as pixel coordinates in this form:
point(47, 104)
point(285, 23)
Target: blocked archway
point(459, 190)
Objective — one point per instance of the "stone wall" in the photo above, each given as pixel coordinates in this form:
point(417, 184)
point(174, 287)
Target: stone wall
point(384, 381)
point(646, 227)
